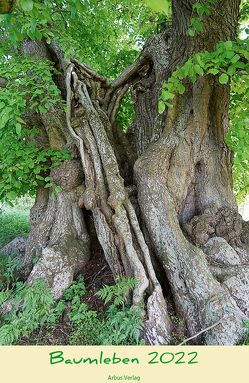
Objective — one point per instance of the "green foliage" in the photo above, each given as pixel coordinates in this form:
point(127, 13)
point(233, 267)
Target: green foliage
point(30, 80)
point(22, 166)
point(229, 62)
point(202, 8)
point(106, 28)
point(245, 341)
point(32, 306)
point(87, 324)
point(110, 38)
point(225, 61)
point(161, 6)
point(112, 33)
point(175, 319)
point(238, 135)
point(126, 112)
point(122, 325)
point(119, 291)
point(12, 224)
point(8, 265)
point(77, 289)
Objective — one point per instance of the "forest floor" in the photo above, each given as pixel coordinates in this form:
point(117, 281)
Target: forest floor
point(96, 273)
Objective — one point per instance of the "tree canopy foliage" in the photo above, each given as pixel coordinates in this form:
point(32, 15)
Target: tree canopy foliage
point(108, 36)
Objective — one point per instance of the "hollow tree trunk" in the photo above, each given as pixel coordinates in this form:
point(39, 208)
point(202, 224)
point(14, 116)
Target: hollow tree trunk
point(182, 174)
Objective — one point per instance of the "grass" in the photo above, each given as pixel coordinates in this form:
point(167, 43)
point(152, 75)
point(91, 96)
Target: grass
point(14, 221)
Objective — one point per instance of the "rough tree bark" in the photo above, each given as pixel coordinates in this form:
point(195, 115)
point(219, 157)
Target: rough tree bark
point(188, 220)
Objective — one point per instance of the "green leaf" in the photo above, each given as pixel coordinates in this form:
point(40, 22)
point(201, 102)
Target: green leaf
point(73, 12)
point(166, 95)
point(46, 14)
point(161, 6)
point(223, 79)
point(34, 13)
point(191, 32)
point(19, 35)
point(200, 8)
point(213, 71)
point(11, 195)
point(200, 62)
point(197, 24)
point(58, 189)
point(81, 7)
point(27, 5)
point(228, 45)
point(231, 70)
point(8, 20)
point(228, 54)
point(30, 34)
point(169, 105)
point(13, 38)
point(37, 170)
point(235, 59)
point(181, 88)
point(240, 65)
point(206, 8)
point(38, 34)
point(33, 23)
point(18, 128)
point(161, 107)
point(199, 70)
point(43, 110)
point(246, 54)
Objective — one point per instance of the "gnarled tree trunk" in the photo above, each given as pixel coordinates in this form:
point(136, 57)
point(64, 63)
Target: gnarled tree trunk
point(183, 181)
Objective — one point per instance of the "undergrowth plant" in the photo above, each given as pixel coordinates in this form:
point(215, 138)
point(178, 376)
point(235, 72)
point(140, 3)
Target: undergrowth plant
point(8, 265)
point(28, 307)
point(119, 292)
point(245, 341)
point(123, 325)
point(87, 324)
point(31, 307)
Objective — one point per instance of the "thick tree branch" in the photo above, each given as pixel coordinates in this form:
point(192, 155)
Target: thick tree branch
point(105, 81)
point(128, 72)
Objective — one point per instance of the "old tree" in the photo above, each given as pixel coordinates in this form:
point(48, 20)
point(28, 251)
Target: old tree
point(158, 197)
